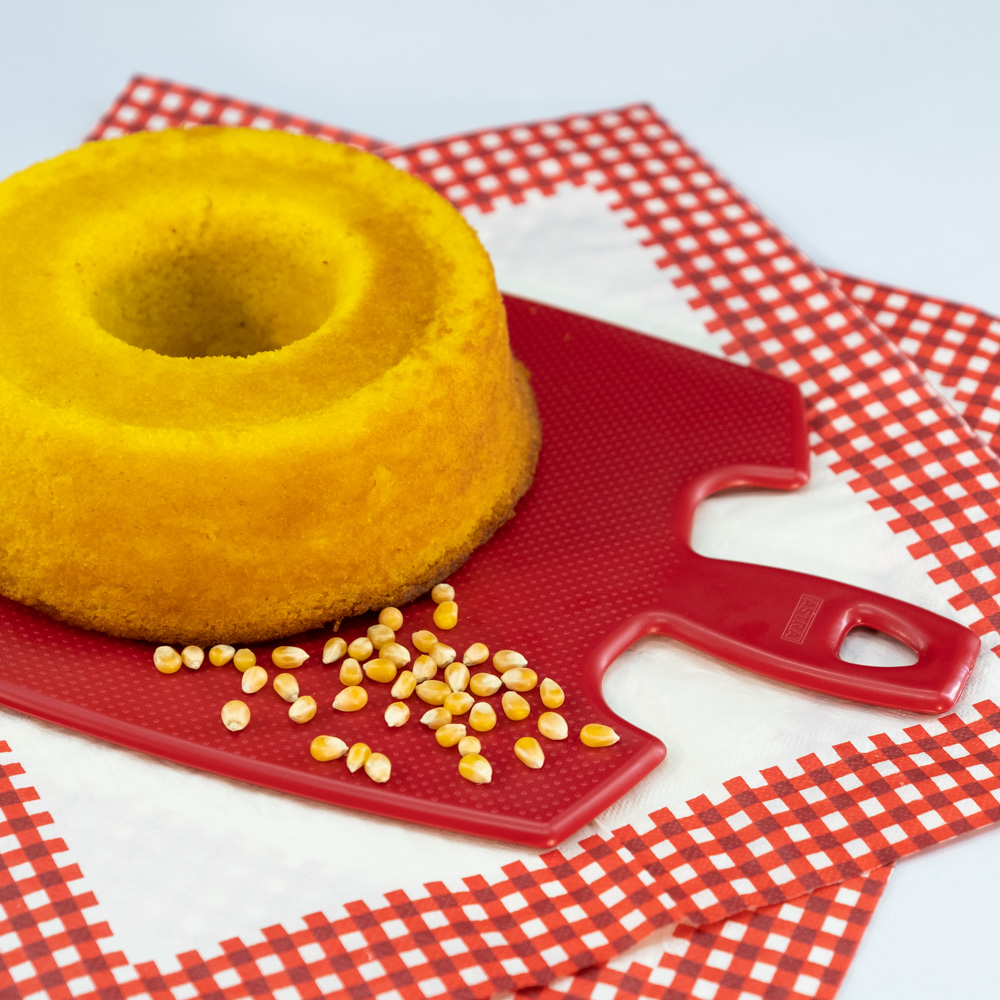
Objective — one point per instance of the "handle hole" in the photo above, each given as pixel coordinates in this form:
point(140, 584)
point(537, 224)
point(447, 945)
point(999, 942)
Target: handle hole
point(871, 648)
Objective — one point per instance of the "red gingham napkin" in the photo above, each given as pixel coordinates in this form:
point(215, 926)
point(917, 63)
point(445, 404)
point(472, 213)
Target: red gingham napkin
point(764, 891)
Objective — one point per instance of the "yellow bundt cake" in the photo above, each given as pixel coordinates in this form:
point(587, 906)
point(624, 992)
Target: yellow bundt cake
point(250, 383)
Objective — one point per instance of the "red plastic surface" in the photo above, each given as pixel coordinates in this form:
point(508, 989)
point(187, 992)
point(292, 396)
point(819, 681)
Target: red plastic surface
point(636, 433)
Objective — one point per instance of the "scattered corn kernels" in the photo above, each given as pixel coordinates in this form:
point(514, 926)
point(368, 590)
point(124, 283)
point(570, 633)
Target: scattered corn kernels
point(514, 706)
point(357, 755)
point(483, 685)
point(192, 657)
point(253, 679)
point(397, 714)
point(477, 653)
point(302, 709)
point(381, 671)
point(288, 657)
point(443, 592)
point(380, 635)
point(446, 615)
point(424, 668)
point(286, 686)
point(507, 659)
point(442, 654)
point(235, 715)
point(435, 718)
point(469, 744)
point(244, 658)
point(552, 726)
point(334, 649)
point(450, 735)
point(482, 717)
point(378, 767)
point(327, 748)
point(475, 768)
point(529, 751)
point(351, 699)
point(220, 655)
point(433, 692)
point(404, 685)
point(458, 702)
point(351, 672)
point(423, 640)
point(399, 654)
point(167, 660)
point(595, 735)
point(391, 617)
point(361, 648)
point(456, 676)
point(551, 693)
point(520, 679)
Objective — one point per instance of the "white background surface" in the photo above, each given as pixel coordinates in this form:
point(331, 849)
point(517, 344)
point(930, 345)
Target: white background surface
point(868, 132)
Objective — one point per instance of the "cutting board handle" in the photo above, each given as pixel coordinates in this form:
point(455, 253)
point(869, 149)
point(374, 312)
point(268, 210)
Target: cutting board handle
point(791, 626)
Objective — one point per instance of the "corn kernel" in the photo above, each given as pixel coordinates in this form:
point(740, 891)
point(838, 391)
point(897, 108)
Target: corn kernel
point(458, 702)
point(351, 699)
point(391, 617)
point(167, 660)
point(469, 744)
point(520, 679)
point(435, 718)
point(395, 652)
point(351, 672)
point(378, 767)
point(424, 668)
point(380, 671)
point(244, 658)
point(192, 657)
point(302, 709)
point(334, 649)
point(433, 692)
point(442, 654)
point(397, 714)
point(551, 693)
point(235, 715)
point(514, 706)
point(529, 751)
point(476, 769)
point(456, 676)
point(327, 748)
point(443, 592)
point(380, 635)
point(482, 717)
point(594, 735)
point(507, 659)
point(477, 653)
point(286, 686)
point(446, 615)
point(253, 679)
point(451, 734)
point(483, 685)
point(423, 640)
point(552, 726)
point(404, 686)
point(288, 657)
point(361, 648)
point(220, 655)
point(357, 755)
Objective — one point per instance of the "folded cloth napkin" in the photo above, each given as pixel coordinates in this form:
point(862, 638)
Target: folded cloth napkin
point(614, 215)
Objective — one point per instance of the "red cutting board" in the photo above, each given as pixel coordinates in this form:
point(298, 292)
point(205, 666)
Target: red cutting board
point(636, 432)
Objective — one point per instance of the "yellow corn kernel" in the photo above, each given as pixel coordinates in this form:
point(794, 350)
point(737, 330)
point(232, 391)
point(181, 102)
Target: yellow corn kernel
point(514, 706)
point(380, 671)
point(192, 657)
point(433, 692)
point(351, 672)
point(520, 679)
point(395, 652)
point(397, 714)
point(220, 655)
point(351, 699)
point(378, 767)
point(423, 640)
point(235, 715)
point(380, 635)
point(507, 659)
point(483, 685)
point(288, 657)
point(357, 756)
point(529, 751)
point(456, 676)
point(391, 617)
point(334, 649)
point(482, 717)
point(552, 726)
point(450, 735)
point(244, 658)
point(459, 702)
point(469, 744)
point(443, 592)
point(361, 648)
point(302, 709)
point(551, 693)
point(442, 654)
point(327, 748)
point(404, 686)
point(435, 718)
point(446, 615)
point(253, 679)
point(476, 769)
point(424, 668)
point(477, 653)
point(286, 686)
point(167, 660)
point(594, 735)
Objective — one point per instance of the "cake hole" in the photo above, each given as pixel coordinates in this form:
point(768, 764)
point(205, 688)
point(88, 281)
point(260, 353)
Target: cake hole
point(871, 648)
